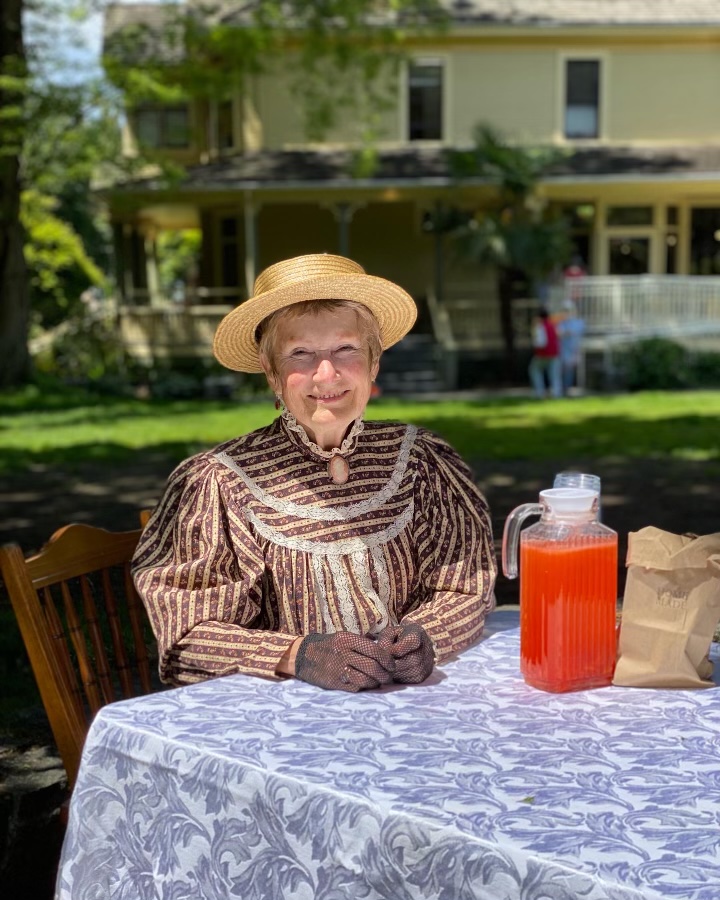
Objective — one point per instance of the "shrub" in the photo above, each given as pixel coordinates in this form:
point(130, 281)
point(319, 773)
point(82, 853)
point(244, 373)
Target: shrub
point(706, 369)
point(655, 364)
point(661, 364)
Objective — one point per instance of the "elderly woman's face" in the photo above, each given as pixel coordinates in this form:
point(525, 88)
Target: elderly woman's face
point(324, 373)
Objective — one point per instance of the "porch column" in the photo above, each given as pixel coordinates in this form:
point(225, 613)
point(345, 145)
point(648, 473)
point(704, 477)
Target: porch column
point(206, 275)
point(439, 237)
point(250, 242)
point(152, 270)
point(119, 249)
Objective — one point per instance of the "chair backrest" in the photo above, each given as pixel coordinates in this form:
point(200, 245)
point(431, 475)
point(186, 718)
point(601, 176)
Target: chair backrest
point(84, 627)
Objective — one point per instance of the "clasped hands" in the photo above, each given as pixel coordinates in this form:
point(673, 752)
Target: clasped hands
point(352, 662)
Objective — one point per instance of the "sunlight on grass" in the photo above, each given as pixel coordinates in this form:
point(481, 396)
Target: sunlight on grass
point(680, 425)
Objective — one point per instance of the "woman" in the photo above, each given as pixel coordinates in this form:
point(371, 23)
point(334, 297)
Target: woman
point(347, 554)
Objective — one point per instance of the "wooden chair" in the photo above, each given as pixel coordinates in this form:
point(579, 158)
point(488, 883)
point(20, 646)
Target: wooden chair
point(84, 627)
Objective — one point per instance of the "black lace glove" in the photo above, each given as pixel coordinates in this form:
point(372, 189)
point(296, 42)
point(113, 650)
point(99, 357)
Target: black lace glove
point(343, 662)
point(412, 650)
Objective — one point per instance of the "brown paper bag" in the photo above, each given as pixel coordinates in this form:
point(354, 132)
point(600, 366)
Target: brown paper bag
point(670, 610)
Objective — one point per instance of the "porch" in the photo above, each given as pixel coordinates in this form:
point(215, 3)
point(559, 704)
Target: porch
point(617, 310)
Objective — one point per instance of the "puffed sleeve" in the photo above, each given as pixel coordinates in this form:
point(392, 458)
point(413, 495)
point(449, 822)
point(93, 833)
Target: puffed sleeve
point(199, 573)
point(454, 547)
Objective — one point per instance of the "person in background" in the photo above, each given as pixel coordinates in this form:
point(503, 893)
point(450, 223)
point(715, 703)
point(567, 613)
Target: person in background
point(544, 370)
point(570, 329)
point(573, 275)
point(345, 553)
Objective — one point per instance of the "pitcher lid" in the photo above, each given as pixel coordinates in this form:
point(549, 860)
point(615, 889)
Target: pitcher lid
point(570, 501)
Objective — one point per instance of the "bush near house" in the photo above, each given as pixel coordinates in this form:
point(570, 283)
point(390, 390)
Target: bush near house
point(659, 364)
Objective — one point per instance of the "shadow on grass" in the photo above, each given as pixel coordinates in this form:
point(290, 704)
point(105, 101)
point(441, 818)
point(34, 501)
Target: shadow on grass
point(683, 437)
point(691, 437)
point(76, 457)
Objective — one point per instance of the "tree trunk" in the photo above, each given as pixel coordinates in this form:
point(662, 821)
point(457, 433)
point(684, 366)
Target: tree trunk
point(14, 298)
point(506, 294)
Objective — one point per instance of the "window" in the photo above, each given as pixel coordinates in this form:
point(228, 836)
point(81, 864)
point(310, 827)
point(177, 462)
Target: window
point(425, 88)
point(629, 256)
point(629, 215)
point(705, 241)
point(162, 126)
point(582, 98)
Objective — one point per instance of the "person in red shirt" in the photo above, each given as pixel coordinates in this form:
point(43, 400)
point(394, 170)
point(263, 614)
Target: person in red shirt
point(545, 369)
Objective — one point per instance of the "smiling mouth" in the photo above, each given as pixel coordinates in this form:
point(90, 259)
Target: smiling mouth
point(326, 397)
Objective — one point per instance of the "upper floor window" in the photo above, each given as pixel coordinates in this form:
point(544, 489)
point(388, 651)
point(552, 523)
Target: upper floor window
point(162, 126)
point(582, 98)
point(425, 89)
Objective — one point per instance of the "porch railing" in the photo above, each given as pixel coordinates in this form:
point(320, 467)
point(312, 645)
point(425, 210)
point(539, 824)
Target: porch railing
point(631, 307)
point(615, 309)
point(150, 333)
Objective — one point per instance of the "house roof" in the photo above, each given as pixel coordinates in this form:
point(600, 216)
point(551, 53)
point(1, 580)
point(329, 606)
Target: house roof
point(585, 12)
point(467, 12)
point(419, 167)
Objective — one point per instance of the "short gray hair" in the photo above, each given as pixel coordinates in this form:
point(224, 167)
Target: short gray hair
point(267, 331)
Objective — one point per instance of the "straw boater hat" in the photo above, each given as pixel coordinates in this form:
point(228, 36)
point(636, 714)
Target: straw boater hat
point(318, 276)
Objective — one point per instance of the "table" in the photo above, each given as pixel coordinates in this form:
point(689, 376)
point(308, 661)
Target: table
point(472, 785)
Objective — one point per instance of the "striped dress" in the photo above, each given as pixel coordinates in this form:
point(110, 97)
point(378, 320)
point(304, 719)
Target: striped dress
point(253, 544)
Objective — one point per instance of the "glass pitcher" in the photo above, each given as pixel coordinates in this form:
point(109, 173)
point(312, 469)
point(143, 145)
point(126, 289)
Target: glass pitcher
point(568, 590)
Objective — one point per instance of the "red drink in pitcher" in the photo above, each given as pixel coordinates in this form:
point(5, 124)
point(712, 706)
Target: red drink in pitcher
point(568, 590)
point(567, 613)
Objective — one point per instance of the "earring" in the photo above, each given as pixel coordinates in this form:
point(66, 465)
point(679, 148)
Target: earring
point(278, 402)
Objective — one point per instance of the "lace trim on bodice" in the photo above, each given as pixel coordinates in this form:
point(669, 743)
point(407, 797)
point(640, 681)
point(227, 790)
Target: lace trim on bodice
point(343, 547)
point(318, 513)
point(347, 446)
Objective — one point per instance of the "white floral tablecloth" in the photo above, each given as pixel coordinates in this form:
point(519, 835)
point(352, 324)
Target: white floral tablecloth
point(472, 785)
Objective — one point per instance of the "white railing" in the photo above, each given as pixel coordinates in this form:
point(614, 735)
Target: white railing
point(189, 296)
point(634, 306)
point(150, 333)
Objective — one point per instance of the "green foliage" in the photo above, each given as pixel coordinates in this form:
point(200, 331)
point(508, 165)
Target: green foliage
point(706, 369)
point(84, 347)
point(514, 169)
point(341, 53)
point(535, 247)
point(72, 131)
point(519, 231)
point(364, 162)
point(179, 253)
point(13, 90)
point(55, 256)
point(662, 364)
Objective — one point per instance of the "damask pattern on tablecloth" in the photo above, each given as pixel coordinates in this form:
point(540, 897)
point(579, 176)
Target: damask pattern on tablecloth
point(472, 786)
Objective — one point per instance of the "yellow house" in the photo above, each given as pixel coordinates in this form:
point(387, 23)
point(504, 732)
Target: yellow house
point(630, 88)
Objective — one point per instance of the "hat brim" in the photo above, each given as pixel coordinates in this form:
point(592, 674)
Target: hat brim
point(234, 344)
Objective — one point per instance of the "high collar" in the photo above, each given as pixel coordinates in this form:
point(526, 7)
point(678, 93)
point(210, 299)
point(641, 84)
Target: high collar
point(298, 435)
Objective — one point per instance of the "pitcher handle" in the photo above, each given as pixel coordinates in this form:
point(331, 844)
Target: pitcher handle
point(511, 536)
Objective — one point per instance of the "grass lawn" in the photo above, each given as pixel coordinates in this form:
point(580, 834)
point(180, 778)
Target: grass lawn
point(76, 428)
